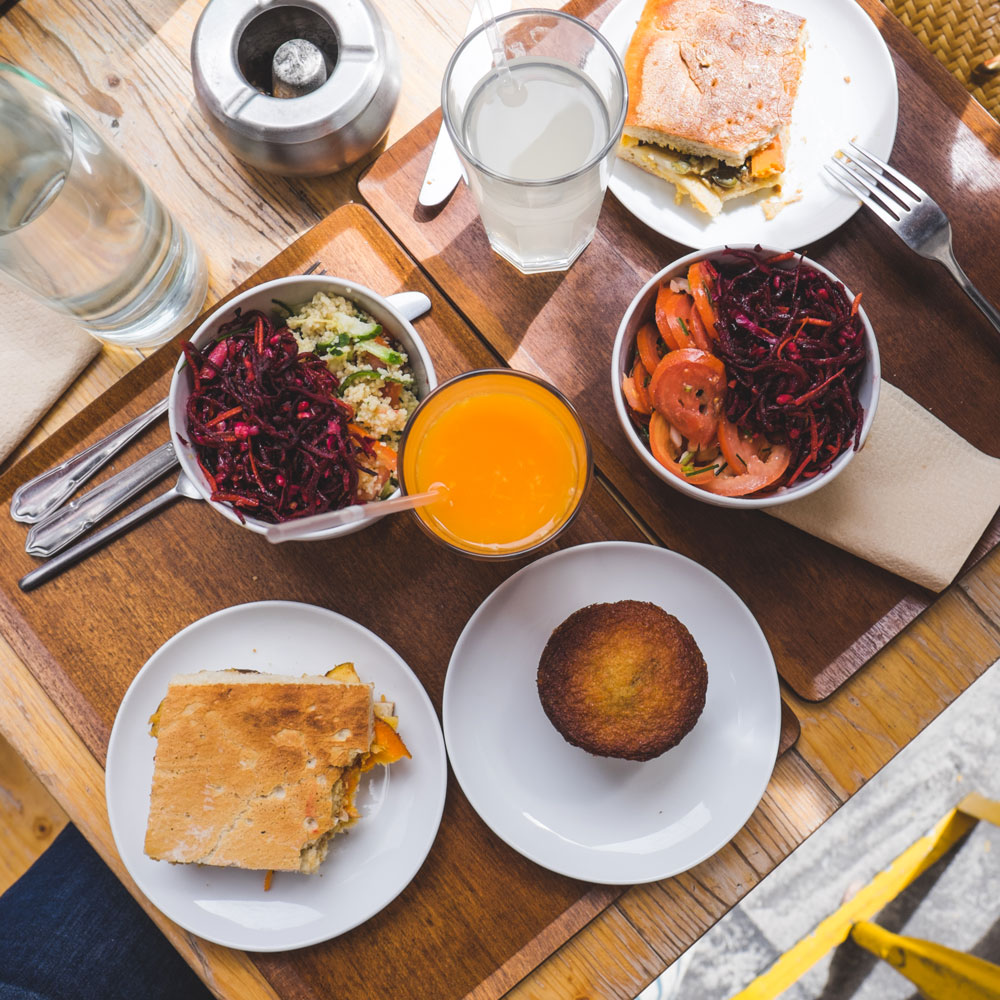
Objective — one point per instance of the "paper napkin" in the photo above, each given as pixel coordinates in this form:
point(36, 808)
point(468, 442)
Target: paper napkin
point(899, 503)
point(41, 353)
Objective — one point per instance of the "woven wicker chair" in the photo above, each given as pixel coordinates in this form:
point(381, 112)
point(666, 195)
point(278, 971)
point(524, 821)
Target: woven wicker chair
point(962, 34)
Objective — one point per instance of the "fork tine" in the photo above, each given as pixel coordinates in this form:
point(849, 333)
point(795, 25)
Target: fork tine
point(866, 193)
point(905, 182)
point(879, 186)
point(861, 170)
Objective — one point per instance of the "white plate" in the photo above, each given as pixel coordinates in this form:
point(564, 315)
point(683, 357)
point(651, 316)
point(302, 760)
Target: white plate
point(847, 92)
point(595, 818)
point(366, 868)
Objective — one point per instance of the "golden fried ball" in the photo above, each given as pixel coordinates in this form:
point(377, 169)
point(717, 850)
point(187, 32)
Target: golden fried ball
point(622, 680)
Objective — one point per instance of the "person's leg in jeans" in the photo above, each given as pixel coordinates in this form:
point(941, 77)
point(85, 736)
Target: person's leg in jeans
point(69, 930)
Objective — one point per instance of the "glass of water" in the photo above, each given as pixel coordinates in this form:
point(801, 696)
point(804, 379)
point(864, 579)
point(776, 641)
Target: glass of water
point(535, 108)
point(81, 231)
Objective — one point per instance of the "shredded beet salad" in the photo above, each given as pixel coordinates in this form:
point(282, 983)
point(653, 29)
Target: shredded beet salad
point(268, 427)
point(794, 348)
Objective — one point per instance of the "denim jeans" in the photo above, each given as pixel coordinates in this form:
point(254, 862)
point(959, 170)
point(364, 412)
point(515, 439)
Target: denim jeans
point(69, 930)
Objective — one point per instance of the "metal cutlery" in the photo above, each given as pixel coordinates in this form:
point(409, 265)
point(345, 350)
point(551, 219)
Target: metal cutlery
point(908, 211)
point(36, 499)
point(65, 525)
point(183, 488)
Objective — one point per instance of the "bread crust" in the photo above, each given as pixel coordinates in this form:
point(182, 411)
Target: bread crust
point(249, 769)
point(624, 679)
point(713, 77)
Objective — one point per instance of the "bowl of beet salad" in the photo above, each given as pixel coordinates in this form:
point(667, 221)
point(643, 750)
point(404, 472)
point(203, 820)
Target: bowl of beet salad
point(745, 376)
point(289, 400)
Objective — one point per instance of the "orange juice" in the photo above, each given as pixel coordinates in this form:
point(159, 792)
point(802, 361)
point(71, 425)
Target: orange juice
point(512, 453)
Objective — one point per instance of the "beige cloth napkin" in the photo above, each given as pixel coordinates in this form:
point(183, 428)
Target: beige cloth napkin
point(41, 353)
point(915, 499)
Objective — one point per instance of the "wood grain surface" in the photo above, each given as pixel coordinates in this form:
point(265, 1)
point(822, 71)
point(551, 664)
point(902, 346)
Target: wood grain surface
point(188, 562)
point(824, 611)
point(127, 64)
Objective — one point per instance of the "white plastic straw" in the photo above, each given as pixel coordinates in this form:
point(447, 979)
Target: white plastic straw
point(359, 513)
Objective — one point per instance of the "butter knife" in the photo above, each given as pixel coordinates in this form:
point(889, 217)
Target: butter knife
point(445, 169)
point(50, 536)
point(38, 497)
point(183, 488)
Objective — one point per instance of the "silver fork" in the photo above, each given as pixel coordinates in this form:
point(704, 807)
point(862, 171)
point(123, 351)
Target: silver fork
point(912, 214)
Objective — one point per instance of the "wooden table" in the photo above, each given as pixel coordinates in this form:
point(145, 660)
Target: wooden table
point(243, 219)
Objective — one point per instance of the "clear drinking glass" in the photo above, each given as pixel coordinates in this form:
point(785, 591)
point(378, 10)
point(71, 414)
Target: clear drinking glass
point(536, 132)
point(81, 231)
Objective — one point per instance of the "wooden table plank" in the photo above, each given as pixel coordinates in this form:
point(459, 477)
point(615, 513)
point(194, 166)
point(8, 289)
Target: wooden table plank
point(797, 786)
point(127, 66)
point(187, 562)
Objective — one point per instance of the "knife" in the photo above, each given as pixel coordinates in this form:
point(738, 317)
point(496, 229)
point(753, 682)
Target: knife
point(48, 537)
point(445, 169)
point(38, 498)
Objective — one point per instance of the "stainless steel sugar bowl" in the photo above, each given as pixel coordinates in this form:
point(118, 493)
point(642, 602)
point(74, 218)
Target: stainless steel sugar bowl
point(321, 131)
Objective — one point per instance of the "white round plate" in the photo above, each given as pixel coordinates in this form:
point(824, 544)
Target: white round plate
point(365, 868)
point(847, 92)
point(594, 818)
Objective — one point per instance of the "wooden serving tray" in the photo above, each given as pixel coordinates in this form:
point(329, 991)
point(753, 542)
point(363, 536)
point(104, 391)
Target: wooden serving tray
point(824, 611)
point(478, 916)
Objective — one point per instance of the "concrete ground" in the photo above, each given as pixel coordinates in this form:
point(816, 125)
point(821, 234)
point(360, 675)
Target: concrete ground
point(955, 903)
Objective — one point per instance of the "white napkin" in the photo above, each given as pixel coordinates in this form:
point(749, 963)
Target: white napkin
point(41, 353)
point(915, 499)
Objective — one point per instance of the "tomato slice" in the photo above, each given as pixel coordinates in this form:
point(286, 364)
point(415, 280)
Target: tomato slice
point(640, 377)
point(739, 446)
point(634, 389)
point(647, 343)
point(662, 448)
point(688, 388)
point(671, 308)
point(760, 474)
point(698, 333)
point(701, 279)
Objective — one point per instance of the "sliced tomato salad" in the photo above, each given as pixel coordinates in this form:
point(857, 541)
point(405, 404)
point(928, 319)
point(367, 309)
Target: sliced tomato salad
point(676, 385)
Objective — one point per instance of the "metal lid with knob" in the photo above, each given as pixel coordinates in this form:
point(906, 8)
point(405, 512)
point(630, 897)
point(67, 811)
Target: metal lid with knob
point(289, 115)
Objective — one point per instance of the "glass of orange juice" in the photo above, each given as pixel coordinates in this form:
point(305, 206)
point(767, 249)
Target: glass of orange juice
point(512, 453)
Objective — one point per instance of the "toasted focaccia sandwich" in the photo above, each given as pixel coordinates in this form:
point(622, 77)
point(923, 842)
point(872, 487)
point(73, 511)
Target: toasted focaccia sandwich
point(258, 770)
point(712, 84)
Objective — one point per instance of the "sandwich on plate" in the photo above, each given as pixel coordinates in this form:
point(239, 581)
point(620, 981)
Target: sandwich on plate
point(259, 771)
point(712, 84)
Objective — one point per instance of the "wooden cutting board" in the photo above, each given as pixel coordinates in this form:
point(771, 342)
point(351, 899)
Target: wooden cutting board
point(492, 913)
point(824, 611)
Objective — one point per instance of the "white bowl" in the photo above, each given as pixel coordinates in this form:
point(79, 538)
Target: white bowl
point(295, 290)
point(641, 310)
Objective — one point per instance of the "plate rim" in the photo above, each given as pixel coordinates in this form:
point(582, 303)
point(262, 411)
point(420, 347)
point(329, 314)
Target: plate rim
point(655, 552)
point(818, 231)
point(438, 804)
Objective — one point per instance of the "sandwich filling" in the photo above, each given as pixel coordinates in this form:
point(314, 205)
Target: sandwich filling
point(712, 84)
point(260, 771)
point(707, 180)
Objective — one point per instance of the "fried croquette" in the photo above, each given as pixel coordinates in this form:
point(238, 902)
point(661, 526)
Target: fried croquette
point(622, 680)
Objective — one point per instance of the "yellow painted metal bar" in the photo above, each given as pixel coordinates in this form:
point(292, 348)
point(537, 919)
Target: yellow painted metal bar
point(905, 869)
point(939, 973)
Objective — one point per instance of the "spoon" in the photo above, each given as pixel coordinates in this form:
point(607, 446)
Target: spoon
point(356, 514)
